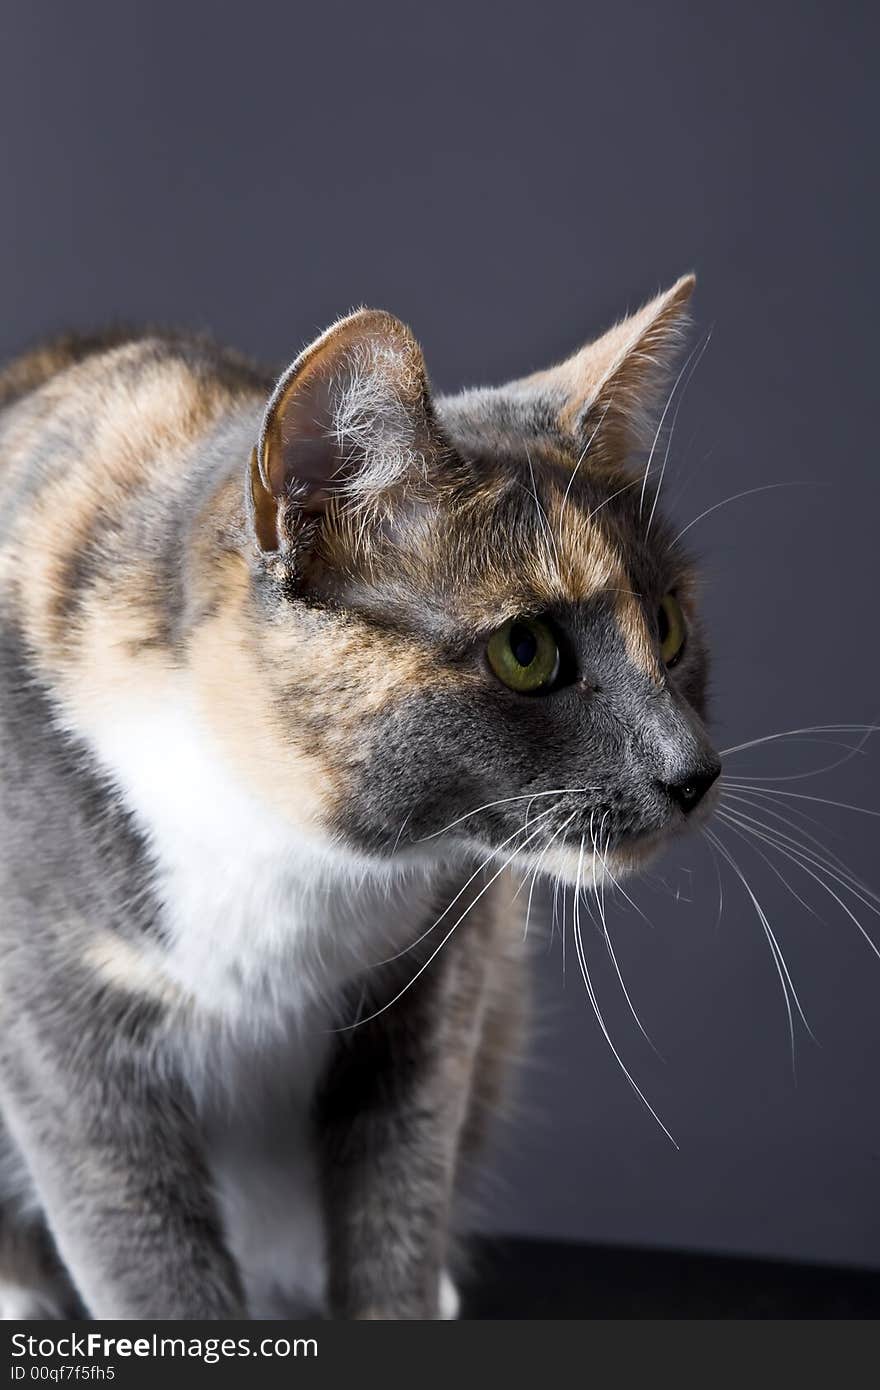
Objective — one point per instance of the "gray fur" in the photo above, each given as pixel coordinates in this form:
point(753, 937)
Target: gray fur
point(116, 1097)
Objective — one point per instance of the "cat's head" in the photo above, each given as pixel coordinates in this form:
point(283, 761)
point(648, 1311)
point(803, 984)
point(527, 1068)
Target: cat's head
point(474, 624)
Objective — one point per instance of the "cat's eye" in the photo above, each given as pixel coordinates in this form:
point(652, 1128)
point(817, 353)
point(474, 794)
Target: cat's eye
point(524, 655)
point(672, 629)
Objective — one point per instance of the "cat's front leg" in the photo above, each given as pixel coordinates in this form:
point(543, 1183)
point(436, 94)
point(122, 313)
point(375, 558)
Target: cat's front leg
point(390, 1121)
point(124, 1190)
point(388, 1177)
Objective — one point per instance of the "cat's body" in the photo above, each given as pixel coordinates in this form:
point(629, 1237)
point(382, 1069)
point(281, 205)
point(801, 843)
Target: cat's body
point(237, 1076)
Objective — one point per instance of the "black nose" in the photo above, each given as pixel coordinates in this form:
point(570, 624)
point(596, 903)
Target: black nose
point(689, 792)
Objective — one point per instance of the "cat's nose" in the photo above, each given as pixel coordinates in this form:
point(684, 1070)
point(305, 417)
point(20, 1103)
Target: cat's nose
point(688, 791)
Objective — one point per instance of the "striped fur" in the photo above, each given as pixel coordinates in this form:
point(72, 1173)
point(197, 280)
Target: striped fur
point(252, 750)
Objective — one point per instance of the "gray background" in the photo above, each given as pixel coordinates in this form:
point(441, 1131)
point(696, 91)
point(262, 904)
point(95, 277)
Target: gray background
point(508, 179)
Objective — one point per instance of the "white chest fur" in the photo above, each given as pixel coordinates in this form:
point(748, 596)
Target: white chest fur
point(264, 919)
point(265, 928)
point(261, 1155)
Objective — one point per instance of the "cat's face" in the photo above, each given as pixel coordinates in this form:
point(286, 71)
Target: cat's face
point(476, 625)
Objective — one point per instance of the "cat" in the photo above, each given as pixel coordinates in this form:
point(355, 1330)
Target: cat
point(296, 675)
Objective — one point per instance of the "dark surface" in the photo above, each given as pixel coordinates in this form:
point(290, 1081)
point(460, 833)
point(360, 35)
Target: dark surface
point(509, 179)
point(552, 1279)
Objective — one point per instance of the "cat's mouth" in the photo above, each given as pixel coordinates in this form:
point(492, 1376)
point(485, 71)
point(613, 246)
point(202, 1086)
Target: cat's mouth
point(597, 855)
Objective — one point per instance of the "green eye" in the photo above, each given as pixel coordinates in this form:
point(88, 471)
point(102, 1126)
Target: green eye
point(671, 625)
point(524, 655)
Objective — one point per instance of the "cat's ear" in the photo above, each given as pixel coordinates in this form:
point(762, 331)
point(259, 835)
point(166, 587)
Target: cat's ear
point(616, 381)
point(349, 422)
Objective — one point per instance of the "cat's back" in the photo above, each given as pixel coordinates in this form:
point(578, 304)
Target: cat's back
point(107, 442)
point(197, 355)
point(104, 446)
point(26, 373)
point(89, 402)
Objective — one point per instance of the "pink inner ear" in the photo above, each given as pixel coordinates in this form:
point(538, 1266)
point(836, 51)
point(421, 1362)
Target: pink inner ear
point(305, 460)
point(621, 373)
point(350, 415)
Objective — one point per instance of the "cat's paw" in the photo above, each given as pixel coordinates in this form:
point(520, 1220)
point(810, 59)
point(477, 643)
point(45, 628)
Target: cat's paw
point(20, 1304)
point(450, 1303)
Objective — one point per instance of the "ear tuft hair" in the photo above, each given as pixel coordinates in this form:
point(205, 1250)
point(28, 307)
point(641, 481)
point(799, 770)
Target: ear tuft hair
point(348, 423)
point(619, 378)
point(380, 417)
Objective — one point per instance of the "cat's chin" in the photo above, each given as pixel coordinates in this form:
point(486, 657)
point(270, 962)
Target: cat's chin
point(575, 866)
point(630, 856)
point(572, 865)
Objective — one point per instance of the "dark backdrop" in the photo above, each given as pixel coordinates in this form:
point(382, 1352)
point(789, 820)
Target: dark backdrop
point(508, 178)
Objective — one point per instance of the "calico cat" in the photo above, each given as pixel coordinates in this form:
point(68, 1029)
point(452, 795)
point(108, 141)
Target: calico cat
point(293, 678)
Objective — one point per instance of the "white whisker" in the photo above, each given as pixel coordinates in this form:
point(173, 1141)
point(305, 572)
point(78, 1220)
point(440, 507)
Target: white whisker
point(802, 796)
point(778, 874)
point(620, 889)
point(831, 864)
point(403, 826)
point(749, 492)
point(804, 859)
point(757, 804)
point(450, 905)
point(718, 876)
point(588, 984)
point(503, 801)
point(669, 400)
point(544, 518)
point(555, 836)
point(600, 904)
point(778, 963)
point(437, 949)
point(866, 729)
point(583, 455)
point(634, 482)
point(684, 388)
